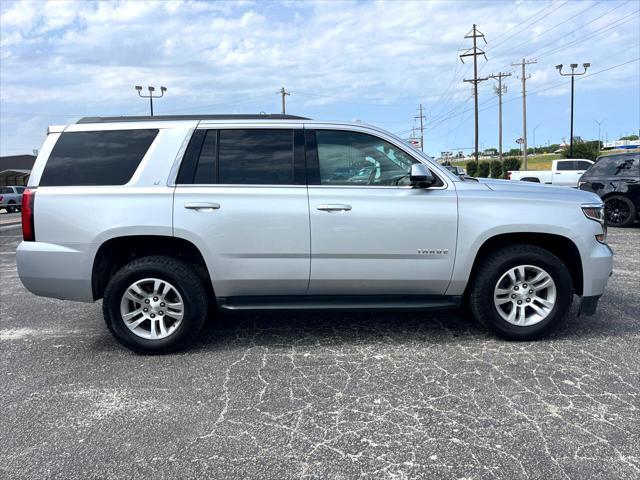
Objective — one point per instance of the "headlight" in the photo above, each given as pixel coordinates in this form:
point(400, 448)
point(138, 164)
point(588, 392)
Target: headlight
point(595, 212)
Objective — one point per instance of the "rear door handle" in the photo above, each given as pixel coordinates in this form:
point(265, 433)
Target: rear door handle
point(202, 206)
point(335, 207)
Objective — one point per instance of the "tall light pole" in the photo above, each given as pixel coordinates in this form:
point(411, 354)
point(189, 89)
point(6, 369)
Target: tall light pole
point(151, 96)
point(534, 137)
point(573, 75)
point(599, 122)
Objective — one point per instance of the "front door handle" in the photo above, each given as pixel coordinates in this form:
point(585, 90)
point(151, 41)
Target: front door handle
point(336, 207)
point(202, 206)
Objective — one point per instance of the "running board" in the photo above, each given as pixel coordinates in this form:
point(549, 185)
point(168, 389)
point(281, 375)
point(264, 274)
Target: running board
point(341, 302)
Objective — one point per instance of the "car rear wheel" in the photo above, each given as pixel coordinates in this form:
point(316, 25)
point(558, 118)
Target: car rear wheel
point(619, 211)
point(155, 304)
point(11, 208)
point(521, 292)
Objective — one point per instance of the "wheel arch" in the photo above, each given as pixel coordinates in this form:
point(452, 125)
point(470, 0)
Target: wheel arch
point(116, 252)
point(564, 248)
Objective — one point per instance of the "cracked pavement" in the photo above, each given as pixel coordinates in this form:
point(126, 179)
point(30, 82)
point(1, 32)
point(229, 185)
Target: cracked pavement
point(325, 395)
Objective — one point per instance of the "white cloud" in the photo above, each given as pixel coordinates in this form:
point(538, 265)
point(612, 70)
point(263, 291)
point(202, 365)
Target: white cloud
point(85, 57)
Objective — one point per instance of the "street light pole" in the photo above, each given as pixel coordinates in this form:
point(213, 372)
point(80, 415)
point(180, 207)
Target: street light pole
point(534, 137)
point(150, 96)
point(573, 74)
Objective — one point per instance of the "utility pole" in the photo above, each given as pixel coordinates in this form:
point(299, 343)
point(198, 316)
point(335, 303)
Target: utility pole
point(524, 79)
point(599, 122)
point(421, 117)
point(572, 75)
point(500, 89)
point(475, 52)
point(283, 93)
point(150, 96)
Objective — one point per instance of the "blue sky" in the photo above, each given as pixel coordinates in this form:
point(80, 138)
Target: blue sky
point(370, 61)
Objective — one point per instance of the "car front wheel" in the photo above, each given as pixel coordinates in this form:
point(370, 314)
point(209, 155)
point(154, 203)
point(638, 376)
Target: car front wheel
point(619, 211)
point(155, 304)
point(521, 292)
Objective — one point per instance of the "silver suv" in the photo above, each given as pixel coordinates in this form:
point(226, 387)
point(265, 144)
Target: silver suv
point(11, 198)
point(169, 218)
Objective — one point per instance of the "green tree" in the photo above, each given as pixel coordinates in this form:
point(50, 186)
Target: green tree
point(514, 152)
point(588, 150)
point(472, 168)
point(630, 137)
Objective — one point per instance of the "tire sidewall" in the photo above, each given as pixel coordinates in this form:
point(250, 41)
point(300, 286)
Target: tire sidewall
point(632, 211)
point(113, 296)
point(564, 294)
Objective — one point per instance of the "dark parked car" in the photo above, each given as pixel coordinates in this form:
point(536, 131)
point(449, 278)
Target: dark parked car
point(616, 179)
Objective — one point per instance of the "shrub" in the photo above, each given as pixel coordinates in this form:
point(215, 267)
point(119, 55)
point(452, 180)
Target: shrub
point(471, 168)
point(496, 169)
point(510, 163)
point(483, 169)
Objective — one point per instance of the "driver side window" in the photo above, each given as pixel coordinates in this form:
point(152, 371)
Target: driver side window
point(352, 158)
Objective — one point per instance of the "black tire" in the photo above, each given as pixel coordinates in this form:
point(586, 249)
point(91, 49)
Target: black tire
point(11, 208)
point(177, 273)
point(497, 264)
point(619, 211)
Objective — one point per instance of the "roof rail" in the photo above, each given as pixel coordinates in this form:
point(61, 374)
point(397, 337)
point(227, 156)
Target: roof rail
point(160, 118)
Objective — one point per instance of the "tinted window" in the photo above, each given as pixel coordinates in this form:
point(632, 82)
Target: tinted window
point(96, 158)
point(565, 165)
point(5, 190)
point(206, 169)
point(255, 156)
point(616, 166)
point(352, 158)
point(19, 189)
point(582, 165)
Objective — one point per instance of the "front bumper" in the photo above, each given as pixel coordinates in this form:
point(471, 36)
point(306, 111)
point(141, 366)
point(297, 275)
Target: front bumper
point(596, 270)
point(588, 305)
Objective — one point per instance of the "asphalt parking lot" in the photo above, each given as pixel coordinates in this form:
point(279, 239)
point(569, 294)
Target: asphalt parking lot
point(322, 395)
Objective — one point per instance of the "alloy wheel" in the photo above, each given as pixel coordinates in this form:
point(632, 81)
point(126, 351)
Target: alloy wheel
point(152, 308)
point(525, 295)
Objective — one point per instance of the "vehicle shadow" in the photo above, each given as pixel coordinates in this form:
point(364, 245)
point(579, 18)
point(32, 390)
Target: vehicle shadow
point(289, 328)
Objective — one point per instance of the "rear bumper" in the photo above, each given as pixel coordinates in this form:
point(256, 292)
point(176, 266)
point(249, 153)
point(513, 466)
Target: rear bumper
point(58, 271)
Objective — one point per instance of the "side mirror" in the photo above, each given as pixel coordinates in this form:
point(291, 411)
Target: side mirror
point(421, 176)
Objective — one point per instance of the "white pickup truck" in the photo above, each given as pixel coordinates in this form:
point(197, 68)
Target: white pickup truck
point(565, 172)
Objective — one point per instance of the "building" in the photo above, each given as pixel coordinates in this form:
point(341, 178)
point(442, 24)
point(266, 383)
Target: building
point(15, 169)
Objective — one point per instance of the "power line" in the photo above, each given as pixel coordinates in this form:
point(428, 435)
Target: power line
point(527, 26)
point(599, 31)
point(530, 40)
point(524, 21)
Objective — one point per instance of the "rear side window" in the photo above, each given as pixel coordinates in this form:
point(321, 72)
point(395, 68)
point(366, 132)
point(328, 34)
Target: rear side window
point(616, 166)
point(108, 157)
point(255, 156)
point(582, 165)
point(565, 165)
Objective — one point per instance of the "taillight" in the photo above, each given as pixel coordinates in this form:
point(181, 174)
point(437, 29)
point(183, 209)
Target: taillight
point(28, 231)
point(508, 175)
